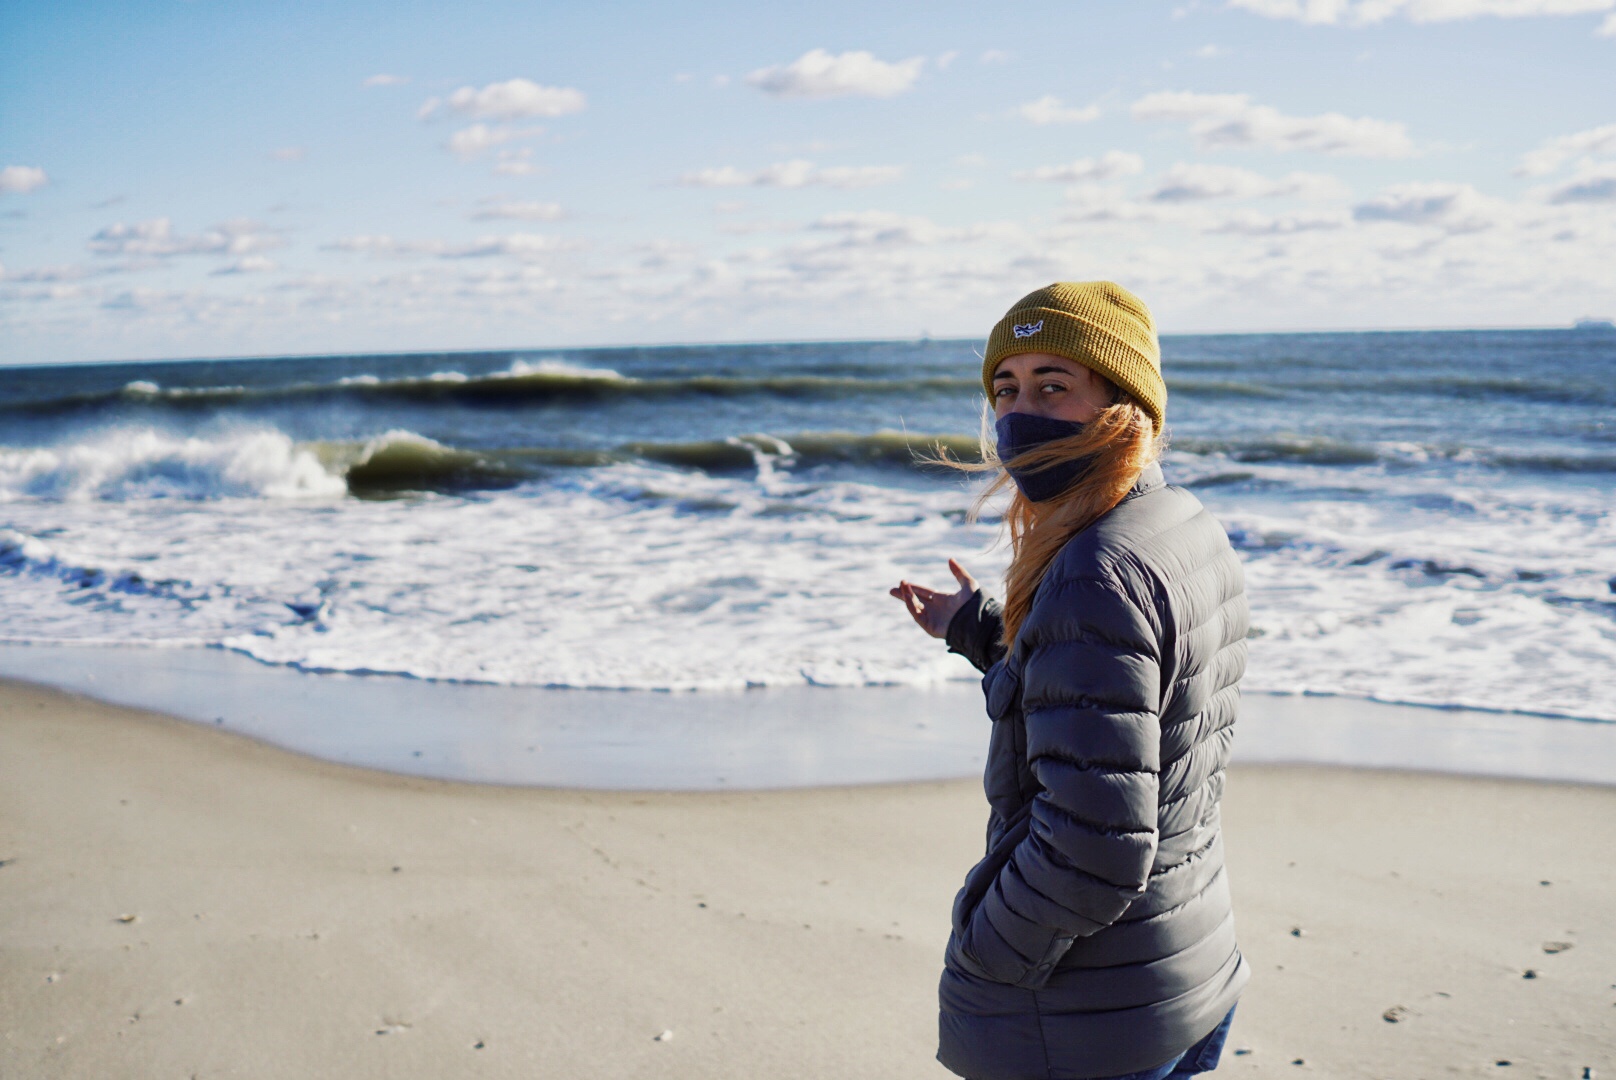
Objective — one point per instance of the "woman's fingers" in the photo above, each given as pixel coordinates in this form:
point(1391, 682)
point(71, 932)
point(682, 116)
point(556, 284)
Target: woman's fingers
point(909, 588)
point(962, 576)
point(929, 608)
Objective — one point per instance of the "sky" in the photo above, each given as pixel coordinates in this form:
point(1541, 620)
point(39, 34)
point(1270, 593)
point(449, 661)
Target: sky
point(200, 178)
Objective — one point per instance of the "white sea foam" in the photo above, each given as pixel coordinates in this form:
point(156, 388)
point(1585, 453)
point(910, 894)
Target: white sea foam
point(629, 576)
point(142, 463)
point(634, 575)
point(561, 367)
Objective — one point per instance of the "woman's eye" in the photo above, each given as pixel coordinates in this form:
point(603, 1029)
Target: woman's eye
point(1048, 386)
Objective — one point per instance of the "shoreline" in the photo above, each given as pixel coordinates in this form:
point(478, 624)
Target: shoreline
point(766, 738)
point(291, 916)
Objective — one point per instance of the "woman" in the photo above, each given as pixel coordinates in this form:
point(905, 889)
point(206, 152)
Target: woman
point(1095, 938)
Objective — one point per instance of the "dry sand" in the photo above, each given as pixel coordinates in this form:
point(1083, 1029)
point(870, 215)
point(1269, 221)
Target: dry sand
point(177, 901)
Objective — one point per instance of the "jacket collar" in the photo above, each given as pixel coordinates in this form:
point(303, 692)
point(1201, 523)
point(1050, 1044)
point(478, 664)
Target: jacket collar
point(1149, 480)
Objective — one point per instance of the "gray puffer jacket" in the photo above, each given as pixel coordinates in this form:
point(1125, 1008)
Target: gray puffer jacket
point(1095, 938)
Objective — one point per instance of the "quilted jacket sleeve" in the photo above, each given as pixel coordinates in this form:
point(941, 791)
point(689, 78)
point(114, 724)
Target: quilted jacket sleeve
point(1090, 694)
point(976, 631)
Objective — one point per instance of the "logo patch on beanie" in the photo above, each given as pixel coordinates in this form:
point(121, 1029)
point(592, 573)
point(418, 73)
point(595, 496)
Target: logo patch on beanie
point(1022, 330)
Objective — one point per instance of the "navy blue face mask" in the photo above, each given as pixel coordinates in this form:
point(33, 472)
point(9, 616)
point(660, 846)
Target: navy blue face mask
point(1020, 432)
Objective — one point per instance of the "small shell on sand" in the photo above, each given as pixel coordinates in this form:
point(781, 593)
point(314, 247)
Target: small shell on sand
point(1394, 1014)
point(1552, 947)
point(666, 1036)
point(127, 918)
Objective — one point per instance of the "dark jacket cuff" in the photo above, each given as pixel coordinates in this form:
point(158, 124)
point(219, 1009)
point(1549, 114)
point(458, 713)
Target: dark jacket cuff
point(975, 631)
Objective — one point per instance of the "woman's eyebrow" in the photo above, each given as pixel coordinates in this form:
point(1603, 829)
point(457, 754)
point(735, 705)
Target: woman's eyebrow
point(1052, 368)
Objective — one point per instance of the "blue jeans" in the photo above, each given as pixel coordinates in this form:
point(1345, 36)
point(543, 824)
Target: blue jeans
point(1200, 1058)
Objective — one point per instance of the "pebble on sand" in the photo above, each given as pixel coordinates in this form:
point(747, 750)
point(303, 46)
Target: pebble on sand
point(1394, 1014)
point(666, 1036)
point(127, 918)
point(1552, 947)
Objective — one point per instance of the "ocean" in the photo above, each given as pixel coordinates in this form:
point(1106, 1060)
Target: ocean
point(1425, 518)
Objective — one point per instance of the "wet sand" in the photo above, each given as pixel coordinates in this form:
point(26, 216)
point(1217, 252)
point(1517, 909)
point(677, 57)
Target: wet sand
point(182, 901)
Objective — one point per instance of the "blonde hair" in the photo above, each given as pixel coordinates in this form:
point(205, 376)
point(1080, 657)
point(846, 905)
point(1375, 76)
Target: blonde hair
point(1118, 444)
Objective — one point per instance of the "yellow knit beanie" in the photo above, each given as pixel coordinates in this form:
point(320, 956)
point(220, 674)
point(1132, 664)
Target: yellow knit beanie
point(1098, 324)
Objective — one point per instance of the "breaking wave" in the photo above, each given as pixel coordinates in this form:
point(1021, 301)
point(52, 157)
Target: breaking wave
point(143, 463)
point(554, 380)
point(146, 464)
point(546, 380)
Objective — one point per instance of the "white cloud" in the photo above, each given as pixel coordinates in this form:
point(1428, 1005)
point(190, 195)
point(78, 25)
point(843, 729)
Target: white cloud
point(21, 179)
point(516, 161)
point(858, 176)
point(1108, 166)
point(1251, 223)
point(387, 80)
point(994, 56)
point(515, 245)
point(1194, 182)
point(64, 272)
point(368, 244)
point(818, 74)
point(1596, 184)
point(497, 209)
point(1211, 52)
point(1454, 208)
point(478, 139)
point(945, 59)
point(1608, 27)
point(156, 239)
point(513, 99)
point(1049, 110)
point(794, 174)
point(1231, 120)
point(1096, 204)
point(290, 153)
point(252, 264)
point(882, 228)
point(1555, 152)
point(1363, 12)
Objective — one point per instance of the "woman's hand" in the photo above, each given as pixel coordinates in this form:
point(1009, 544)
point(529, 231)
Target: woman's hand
point(934, 610)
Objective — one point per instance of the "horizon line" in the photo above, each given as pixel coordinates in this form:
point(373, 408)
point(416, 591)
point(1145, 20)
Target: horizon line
point(905, 339)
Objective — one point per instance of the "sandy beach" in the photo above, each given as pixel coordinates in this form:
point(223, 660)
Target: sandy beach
point(180, 901)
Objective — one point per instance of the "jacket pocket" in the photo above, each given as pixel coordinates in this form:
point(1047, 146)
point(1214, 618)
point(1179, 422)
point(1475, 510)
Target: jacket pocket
point(1002, 687)
point(986, 872)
